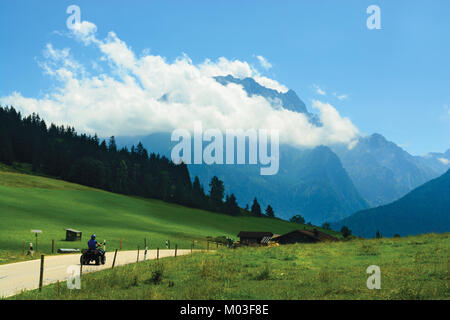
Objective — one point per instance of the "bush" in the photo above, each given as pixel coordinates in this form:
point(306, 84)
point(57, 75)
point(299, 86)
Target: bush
point(367, 249)
point(326, 226)
point(297, 219)
point(346, 232)
point(157, 274)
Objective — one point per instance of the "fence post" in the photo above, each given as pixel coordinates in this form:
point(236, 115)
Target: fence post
point(157, 253)
point(41, 274)
point(23, 247)
point(137, 260)
point(120, 243)
point(176, 248)
point(81, 270)
point(207, 245)
point(53, 246)
point(114, 261)
point(145, 254)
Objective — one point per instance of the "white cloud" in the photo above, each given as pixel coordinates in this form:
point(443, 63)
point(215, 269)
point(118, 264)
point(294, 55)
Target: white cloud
point(352, 144)
point(264, 62)
point(239, 69)
point(125, 99)
point(319, 90)
point(444, 161)
point(85, 31)
point(341, 96)
point(270, 83)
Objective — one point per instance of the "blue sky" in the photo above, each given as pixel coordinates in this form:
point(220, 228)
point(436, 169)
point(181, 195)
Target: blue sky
point(394, 81)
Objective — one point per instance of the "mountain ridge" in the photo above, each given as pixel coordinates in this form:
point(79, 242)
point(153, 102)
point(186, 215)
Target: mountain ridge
point(381, 170)
point(423, 210)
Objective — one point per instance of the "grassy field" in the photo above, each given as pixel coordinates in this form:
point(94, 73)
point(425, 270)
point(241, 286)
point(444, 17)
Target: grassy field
point(33, 202)
point(411, 268)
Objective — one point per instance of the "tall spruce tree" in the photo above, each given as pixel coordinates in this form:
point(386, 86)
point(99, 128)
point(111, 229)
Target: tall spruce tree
point(216, 193)
point(269, 212)
point(256, 208)
point(231, 206)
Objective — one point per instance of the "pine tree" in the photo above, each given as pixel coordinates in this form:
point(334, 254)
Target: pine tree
point(216, 193)
point(112, 147)
point(256, 208)
point(197, 192)
point(231, 206)
point(269, 212)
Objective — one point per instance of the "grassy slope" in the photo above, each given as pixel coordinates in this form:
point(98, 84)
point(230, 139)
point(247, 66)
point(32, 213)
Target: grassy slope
point(411, 268)
point(33, 202)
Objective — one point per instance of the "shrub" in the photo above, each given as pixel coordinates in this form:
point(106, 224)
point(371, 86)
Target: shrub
point(346, 232)
point(297, 219)
point(157, 274)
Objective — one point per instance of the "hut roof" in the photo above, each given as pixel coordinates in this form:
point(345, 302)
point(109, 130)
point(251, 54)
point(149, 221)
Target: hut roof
point(254, 234)
point(315, 234)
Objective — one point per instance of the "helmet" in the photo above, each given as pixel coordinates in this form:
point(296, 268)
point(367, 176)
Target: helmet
point(93, 237)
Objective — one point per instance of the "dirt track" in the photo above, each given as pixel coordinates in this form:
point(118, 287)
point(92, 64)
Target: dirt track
point(19, 276)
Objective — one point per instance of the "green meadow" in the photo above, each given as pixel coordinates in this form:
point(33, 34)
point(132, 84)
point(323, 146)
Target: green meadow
point(411, 268)
point(34, 202)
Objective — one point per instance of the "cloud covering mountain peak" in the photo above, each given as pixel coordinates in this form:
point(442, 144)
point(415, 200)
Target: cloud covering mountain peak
point(119, 93)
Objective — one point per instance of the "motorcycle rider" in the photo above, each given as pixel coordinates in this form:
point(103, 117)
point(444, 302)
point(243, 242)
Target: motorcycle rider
point(93, 245)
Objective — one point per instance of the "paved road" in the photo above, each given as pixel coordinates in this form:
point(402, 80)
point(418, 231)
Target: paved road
point(19, 276)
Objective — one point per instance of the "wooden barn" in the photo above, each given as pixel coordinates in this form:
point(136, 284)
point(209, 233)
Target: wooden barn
point(304, 236)
point(254, 237)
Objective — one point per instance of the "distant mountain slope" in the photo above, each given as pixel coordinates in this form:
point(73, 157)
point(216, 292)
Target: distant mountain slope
point(438, 162)
point(310, 182)
point(382, 171)
point(425, 209)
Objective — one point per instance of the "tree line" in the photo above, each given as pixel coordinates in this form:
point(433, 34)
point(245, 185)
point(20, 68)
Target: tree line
point(60, 151)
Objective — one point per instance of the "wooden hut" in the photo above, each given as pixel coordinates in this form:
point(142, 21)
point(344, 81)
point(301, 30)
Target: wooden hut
point(254, 237)
point(73, 235)
point(304, 236)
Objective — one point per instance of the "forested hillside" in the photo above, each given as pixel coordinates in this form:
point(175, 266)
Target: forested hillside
point(59, 151)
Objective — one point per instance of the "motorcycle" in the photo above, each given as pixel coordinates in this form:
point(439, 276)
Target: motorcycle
point(88, 255)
